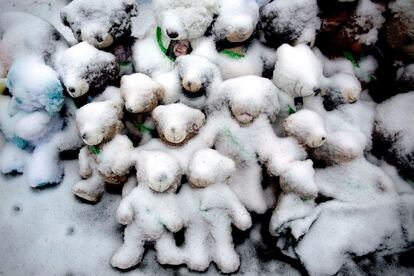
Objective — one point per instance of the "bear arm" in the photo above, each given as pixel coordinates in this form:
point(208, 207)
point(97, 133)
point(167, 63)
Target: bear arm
point(84, 160)
point(171, 219)
point(239, 216)
point(124, 213)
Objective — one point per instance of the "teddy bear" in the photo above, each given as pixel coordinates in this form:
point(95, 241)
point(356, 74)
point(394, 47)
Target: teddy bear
point(104, 157)
point(199, 78)
point(244, 133)
point(182, 131)
point(209, 209)
point(85, 69)
point(35, 124)
point(292, 22)
point(100, 23)
point(300, 73)
point(176, 21)
point(349, 189)
point(151, 208)
point(349, 25)
point(394, 141)
point(232, 45)
point(141, 95)
point(23, 35)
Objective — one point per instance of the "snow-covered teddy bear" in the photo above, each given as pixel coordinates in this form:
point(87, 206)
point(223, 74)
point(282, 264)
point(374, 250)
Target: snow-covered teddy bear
point(101, 23)
point(182, 131)
point(356, 197)
point(232, 45)
point(395, 140)
point(23, 35)
point(83, 69)
point(200, 79)
point(244, 133)
point(183, 20)
point(141, 95)
point(209, 208)
point(151, 208)
point(104, 158)
point(292, 22)
point(300, 73)
point(34, 124)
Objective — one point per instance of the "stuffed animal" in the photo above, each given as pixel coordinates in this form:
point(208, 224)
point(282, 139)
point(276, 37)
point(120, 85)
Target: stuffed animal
point(177, 21)
point(104, 157)
point(293, 22)
point(85, 69)
point(182, 131)
point(245, 134)
point(200, 78)
point(141, 95)
point(399, 27)
point(100, 23)
point(34, 125)
point(395, 141)
point(209, 208)
point(24, 35)
point(300, 74)
point(232, 45)
point(151, 208)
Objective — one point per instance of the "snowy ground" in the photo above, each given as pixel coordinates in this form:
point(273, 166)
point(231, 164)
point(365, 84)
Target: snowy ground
point(49, 232)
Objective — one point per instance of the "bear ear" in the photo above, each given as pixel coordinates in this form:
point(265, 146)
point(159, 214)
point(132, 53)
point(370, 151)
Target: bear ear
point(199, 118)
point(64, 18)
point(156, 114)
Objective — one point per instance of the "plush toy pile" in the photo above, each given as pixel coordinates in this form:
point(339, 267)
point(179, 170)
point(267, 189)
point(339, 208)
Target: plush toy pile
point(297, 112)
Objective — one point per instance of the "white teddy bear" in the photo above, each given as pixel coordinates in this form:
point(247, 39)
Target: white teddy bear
point(104, 158)
point(245, 134)
point(176, 20)
point(232, 46)
point(300, 73)
point(151, 208)
point(209, 207)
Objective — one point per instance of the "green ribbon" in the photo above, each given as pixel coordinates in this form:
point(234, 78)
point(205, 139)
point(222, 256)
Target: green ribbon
point(159, 41)
point(94, 149)
point(350, 57)
point(143, 128)
point(232, 54)
point(124, 63)
point(291, 110)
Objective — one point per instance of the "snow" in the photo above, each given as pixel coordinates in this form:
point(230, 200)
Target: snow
point(369, 14)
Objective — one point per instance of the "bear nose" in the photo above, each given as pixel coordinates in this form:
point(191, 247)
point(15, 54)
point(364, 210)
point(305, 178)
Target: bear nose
point(323, 138)
point(162, 177)
point(129, 109)
point(98, 38)
point(71, 90)
point(173, 129)
point(172, 34)
point(84, 136)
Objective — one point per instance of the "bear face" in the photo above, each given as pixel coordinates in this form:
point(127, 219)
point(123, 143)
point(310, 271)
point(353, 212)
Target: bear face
point(101, 23)
point(184, 19)
point(84, 68)
point(160, 170)
point(208, 167)
point(177, 123)
point(236, 21)
point(292, 22)
point(140, 93)
point(250, 96)
point(35, 86)
point(307, 127)
point(196, 73)
point(98, 122)
point(342, 88)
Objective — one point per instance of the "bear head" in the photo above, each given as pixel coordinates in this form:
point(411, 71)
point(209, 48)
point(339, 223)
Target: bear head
point(99, 122)
point(208, 167)
point(250, 96)
point(177, 123)
point(140, 93)
point(184, 19)
point(84, 68)
point(101, 23)
point(160, 170)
